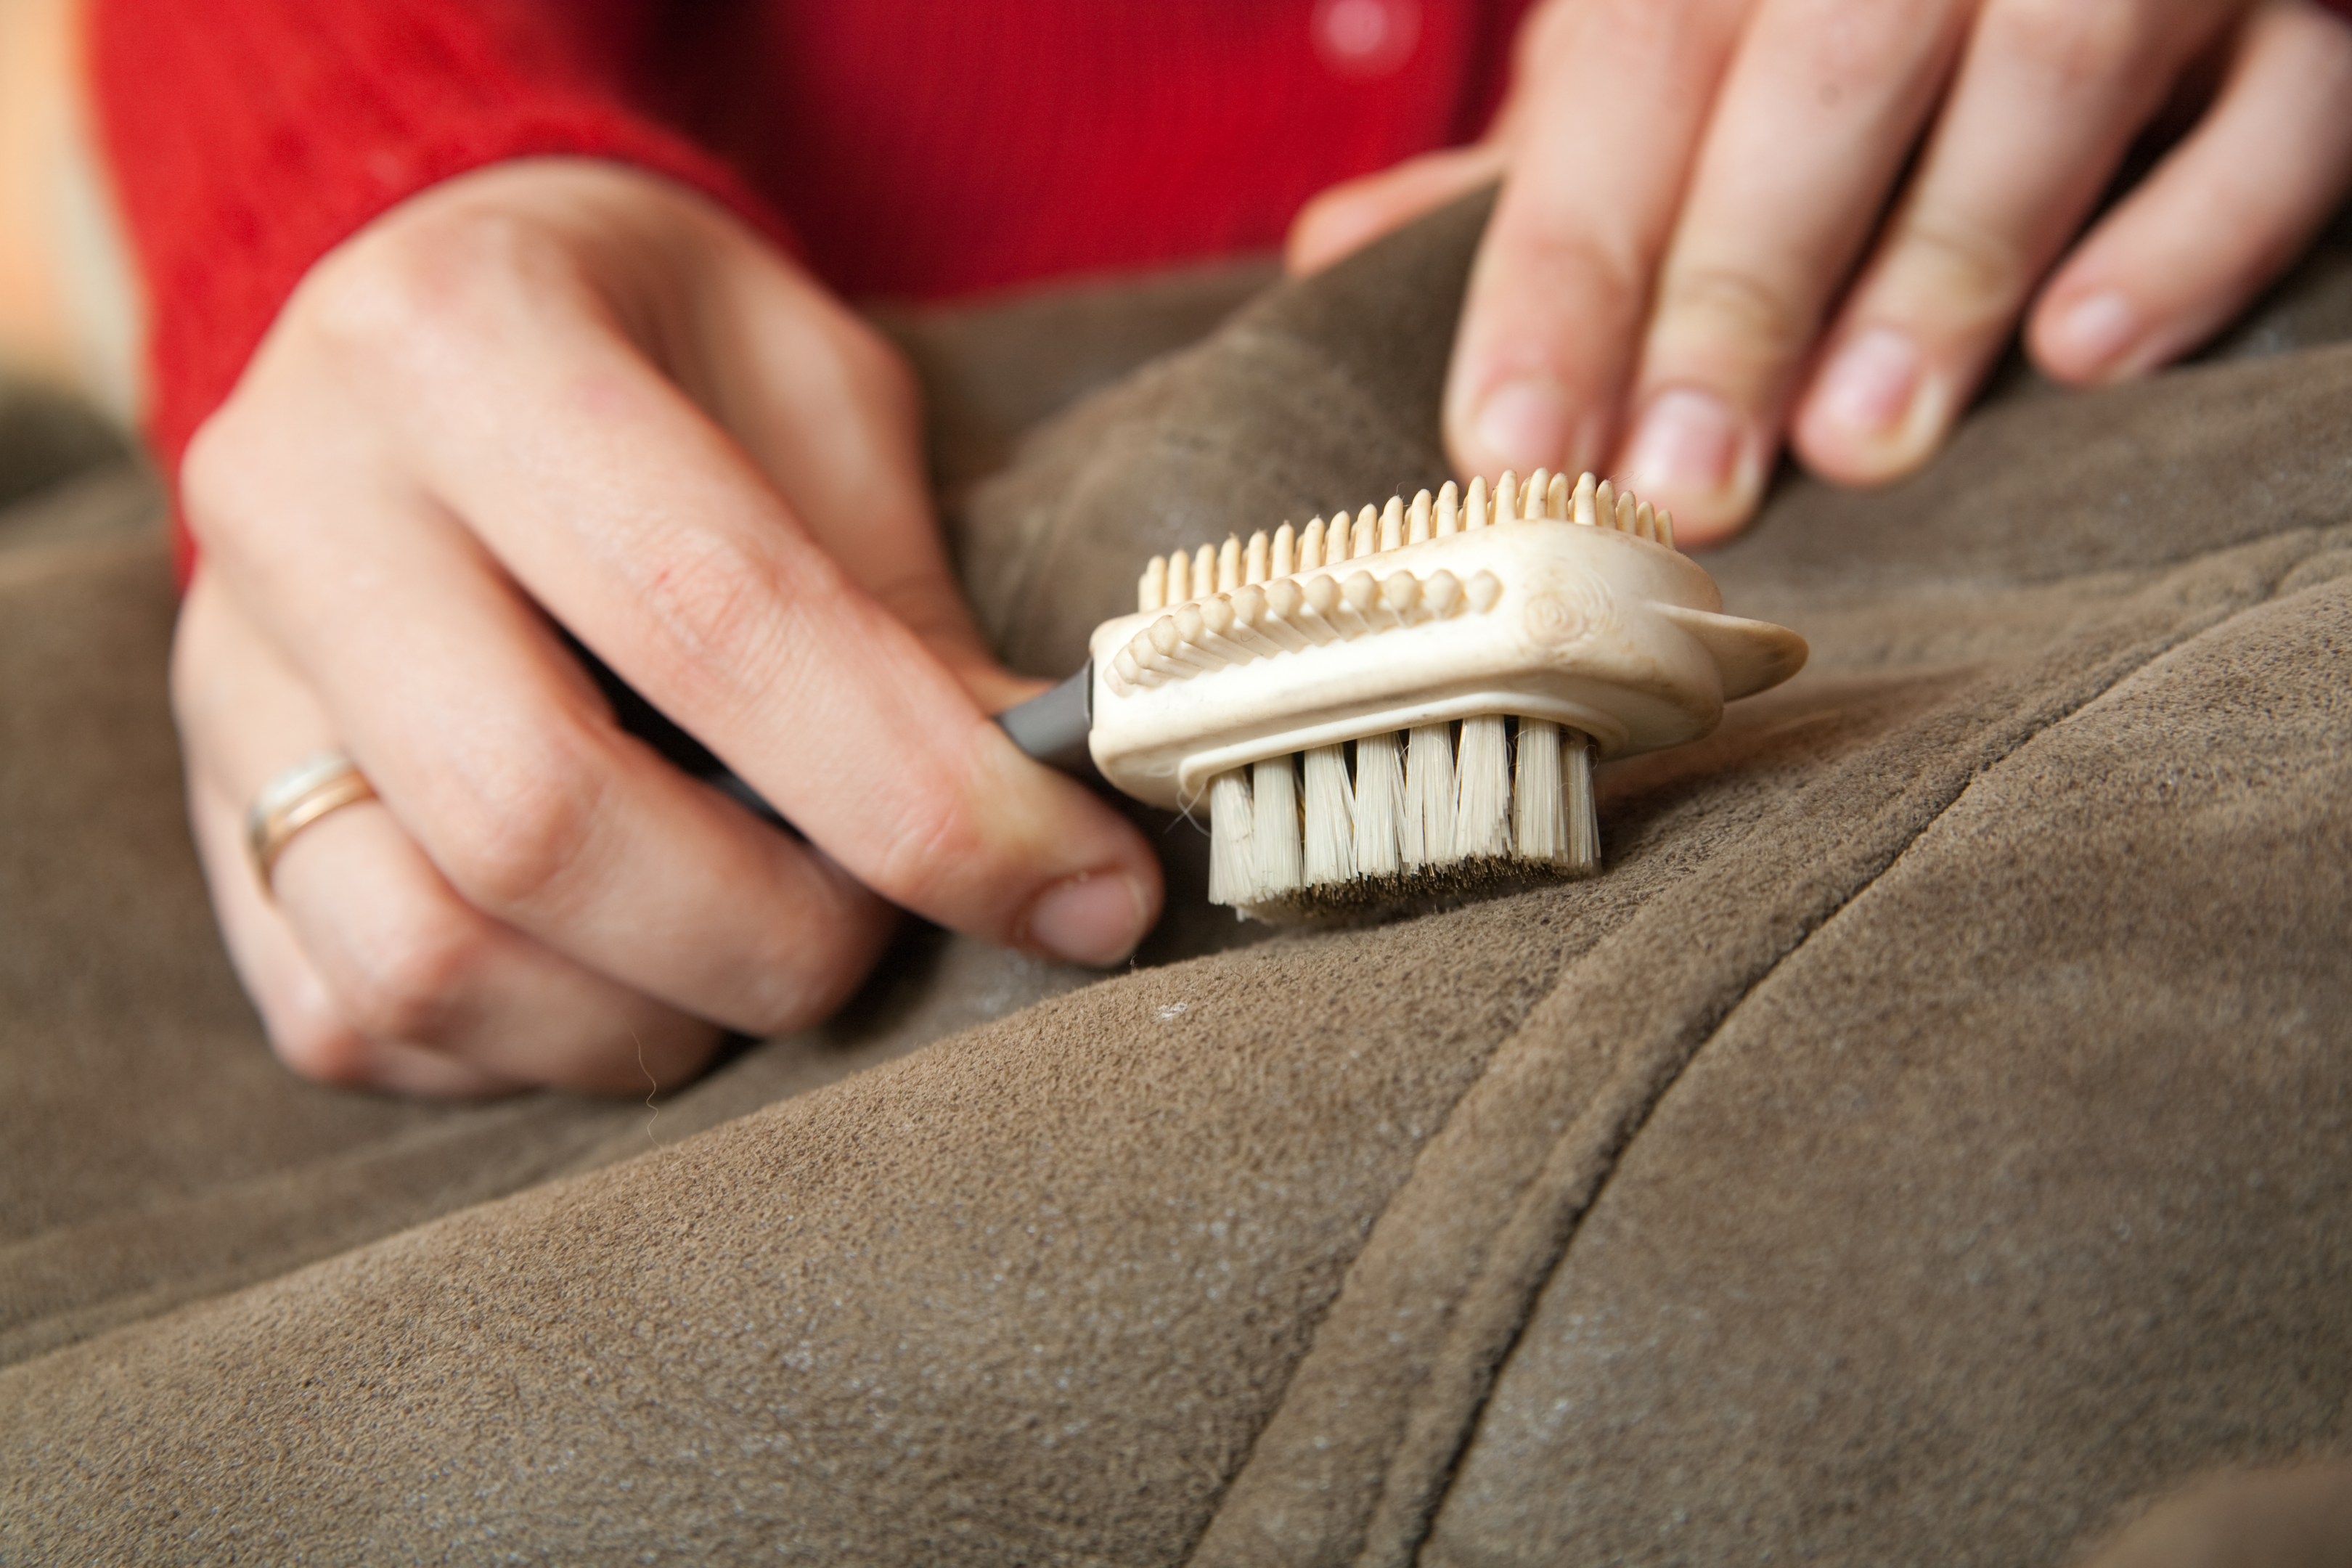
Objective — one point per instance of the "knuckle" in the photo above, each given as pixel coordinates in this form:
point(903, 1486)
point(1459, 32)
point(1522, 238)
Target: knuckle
point(814, 968)
point(937, 847)
point(323, 1050)
point(2071, 43)
point(204, 688)
point(1852, 52)
point(217, 480)
point(1574, 260)
point(407, 985)
point(209, 465)
point(1731, 305)
point(719, 607)
point(797, 991)
point(872, 365)
point(843, 362)
point(395, 298)
point(514, 846)
point(376, 301)
point(1969, 270)
point(1563, 27)
point(1546, 35)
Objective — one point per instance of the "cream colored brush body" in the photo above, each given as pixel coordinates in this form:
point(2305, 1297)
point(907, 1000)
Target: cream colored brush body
point(1379, 708)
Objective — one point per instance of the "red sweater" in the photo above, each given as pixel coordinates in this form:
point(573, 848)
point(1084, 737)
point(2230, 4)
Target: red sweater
point(917, 148)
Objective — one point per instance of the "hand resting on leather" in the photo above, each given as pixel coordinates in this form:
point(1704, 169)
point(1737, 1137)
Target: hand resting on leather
point(568, 389)
point(1726, 224)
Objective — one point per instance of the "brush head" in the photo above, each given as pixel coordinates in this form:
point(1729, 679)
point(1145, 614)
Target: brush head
point(1423, 688)
point(1600, 629)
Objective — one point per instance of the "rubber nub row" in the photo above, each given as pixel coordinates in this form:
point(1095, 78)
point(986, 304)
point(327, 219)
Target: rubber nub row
point(1181, 578)
point(1288, 614)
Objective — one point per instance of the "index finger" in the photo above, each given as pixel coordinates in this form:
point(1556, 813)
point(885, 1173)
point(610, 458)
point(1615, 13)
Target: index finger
point(650, 533)
point(1810, 130)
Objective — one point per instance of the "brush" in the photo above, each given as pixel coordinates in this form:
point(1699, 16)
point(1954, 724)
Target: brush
point(1394, 707)
point(1407, 703)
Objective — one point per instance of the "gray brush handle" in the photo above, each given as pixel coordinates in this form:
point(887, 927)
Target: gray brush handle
point(1051, 726)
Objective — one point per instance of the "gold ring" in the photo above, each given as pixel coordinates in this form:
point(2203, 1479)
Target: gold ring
point(297, 798)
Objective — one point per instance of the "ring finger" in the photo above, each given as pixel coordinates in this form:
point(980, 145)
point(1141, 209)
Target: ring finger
point(2046, 102)
point(368, 968)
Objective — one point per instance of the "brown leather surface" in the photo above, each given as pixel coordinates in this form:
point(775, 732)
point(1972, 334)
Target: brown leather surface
point(1924, 1141)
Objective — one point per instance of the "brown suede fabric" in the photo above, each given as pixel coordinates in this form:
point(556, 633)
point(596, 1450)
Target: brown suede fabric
point(1925, 1142)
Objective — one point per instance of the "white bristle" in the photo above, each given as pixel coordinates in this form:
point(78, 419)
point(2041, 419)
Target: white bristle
point(1555, 499)
point(1531, 500)
point(1507, 498)
point(1449, 510)
point(1253, 561)
point(1473, 506)
point(1581, 504)
point(1367, 534)
point(1284, 559)
point(1482, 792)
point(1229, 565)
point(1151, 593)
point(1204, 572)
point(1578, 804)
point(1427, 829)
point(1538, 818)
point(1417, 521)
point(1233, 879)
point(1180, 578)
point(1409, 802)
point(1380, 805)
point(1273, 828)
point(1330, 817)
point(1310, 546)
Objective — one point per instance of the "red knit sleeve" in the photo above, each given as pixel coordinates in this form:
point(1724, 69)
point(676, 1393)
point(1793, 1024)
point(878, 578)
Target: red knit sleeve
point(249, 137)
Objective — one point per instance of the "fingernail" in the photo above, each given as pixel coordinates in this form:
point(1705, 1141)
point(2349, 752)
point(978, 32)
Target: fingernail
point(1523, 425)
point(1093, 918)
point(2097, 331)
point(1868, 387)
point(1684, 447)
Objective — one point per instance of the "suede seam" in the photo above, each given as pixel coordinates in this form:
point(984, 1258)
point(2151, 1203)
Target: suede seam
point(1430, 1494)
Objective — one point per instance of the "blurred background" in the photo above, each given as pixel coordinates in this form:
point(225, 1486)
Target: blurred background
point(68, 315)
